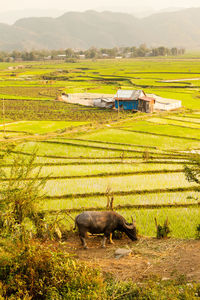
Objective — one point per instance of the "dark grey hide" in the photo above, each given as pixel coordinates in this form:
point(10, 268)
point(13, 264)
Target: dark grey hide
point(105, 222)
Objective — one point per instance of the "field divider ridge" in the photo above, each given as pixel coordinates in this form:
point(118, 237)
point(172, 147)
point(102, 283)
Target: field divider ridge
point(128, 206)
point(97, 147)
point(103, 163)
point(110, 174)
point(184, 121)
point(112, 143)
point(113, 149)
point(160, 134)
point(125, 193)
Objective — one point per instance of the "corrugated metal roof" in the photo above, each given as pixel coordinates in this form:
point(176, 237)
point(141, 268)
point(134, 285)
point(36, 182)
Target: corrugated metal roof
point(129, 94)
point(145, 98)
point(124, 94)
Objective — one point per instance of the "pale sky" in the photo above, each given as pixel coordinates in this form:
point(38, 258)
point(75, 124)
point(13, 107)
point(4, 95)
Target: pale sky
point(81, 5)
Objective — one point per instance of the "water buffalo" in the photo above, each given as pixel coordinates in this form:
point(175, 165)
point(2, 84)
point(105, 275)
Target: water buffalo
point(105, 222)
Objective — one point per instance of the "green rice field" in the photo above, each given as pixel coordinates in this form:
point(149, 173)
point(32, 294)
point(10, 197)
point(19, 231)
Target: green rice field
point(90, 154)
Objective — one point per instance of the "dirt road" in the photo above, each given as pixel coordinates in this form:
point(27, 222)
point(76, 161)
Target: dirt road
point(167, 258)
point(84, 98)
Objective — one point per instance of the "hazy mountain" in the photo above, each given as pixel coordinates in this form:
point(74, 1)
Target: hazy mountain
point(170, 9)
point(181, 28)
point(11, 16)
point(138, 12)
point(105, 29)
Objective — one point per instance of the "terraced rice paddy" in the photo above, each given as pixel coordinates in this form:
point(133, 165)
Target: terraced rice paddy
point(88, 168)
point(40, 127)
point(95, 153)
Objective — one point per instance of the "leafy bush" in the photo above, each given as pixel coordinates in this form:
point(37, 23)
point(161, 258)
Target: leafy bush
point(153, 289)
point(19, 194)
point(39, 272)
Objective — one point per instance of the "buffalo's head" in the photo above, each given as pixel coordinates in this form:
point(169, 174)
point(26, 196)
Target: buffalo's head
point(130, 230)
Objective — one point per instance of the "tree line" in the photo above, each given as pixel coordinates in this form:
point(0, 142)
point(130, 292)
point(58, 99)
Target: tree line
point(91, 53)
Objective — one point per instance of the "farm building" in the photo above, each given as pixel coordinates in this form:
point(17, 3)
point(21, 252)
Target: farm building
point(165, 104)
point(104, 102)
point(134, 100)
point(146, 104)
point(137, 100)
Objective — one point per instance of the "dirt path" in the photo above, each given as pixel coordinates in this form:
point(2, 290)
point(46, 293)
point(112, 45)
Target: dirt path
point(167, 258)
point(179, 80)
point(1, 125)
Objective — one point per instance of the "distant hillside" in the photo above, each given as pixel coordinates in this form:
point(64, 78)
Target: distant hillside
point(106, 29)
point(11, 16)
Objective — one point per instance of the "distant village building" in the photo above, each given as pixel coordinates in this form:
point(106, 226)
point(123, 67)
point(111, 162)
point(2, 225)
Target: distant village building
point(47, 57)
point(134, 100)
point(81, 56)
point(61, 56)
point(128, 55)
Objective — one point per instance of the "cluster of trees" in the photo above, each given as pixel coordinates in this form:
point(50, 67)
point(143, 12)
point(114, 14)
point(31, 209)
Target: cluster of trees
point(33, 55)
point(91, 53)
point(128, 52)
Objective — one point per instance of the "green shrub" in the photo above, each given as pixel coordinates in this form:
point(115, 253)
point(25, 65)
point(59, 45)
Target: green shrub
point(19, 197)
point(153, 289)
point(39, 272)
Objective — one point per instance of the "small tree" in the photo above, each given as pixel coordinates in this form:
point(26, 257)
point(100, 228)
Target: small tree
point(20, 192)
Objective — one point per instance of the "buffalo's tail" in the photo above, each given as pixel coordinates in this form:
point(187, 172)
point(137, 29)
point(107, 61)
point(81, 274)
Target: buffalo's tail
point(75, 224)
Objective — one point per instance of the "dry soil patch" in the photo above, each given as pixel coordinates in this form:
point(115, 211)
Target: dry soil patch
point(167, 258)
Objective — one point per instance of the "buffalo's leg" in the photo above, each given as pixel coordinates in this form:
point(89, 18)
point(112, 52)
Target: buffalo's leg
point(83, 242)
point(105, 237)
point(104, 241)
point(110, 239)
point(82, 235)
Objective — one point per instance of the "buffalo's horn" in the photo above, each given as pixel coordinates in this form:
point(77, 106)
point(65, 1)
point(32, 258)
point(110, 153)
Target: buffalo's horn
point(128, 226)
point(133, 221)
